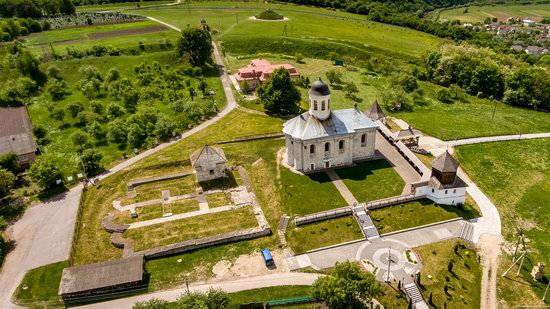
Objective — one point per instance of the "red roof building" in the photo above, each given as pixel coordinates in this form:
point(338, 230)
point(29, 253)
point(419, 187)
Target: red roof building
point(259, 70)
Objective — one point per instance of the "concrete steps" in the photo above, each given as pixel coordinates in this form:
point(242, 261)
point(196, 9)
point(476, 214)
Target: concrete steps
point(467, 231)
point(414, 295)
point(365, 222)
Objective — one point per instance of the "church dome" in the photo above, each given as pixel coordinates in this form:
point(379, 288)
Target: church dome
point(319, 88)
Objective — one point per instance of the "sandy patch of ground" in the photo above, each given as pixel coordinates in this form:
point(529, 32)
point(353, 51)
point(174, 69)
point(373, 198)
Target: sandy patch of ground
point(489, 246)
point(126, 32)
point(248, 266)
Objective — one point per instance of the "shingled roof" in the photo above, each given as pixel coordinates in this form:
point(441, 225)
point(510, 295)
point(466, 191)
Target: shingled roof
point(209, 152)
point(375, 111)
point(16, 131)
point(445, 163)
point(101, 275)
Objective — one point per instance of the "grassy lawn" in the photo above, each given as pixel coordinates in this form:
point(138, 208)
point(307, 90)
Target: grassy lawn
point(39, 287)
point(232, 180)
point(218, 199)
point(153, 190)
point(322, 234)
point(516, 176)
point(391, 296)
point(402, 216)
point(464, 282)
point(306, 194)
point(191, 228)
point(477, 14)
point(183, 206)
point(372, 180)
point(266, 294)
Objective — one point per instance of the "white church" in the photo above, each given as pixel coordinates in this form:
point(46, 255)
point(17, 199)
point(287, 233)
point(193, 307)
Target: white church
point(322, 138)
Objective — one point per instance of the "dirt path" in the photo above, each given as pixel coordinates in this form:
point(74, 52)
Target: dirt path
point(489, 249)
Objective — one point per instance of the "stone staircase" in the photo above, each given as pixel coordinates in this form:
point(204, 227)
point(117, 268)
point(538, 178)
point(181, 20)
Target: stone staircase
point(467, 231)
point(414, 295)
point(283, 223)
point(365, 222)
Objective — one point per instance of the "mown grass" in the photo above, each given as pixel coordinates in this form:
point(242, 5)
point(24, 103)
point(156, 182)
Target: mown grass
point(417, 213)
point(263, 295)
point(322, 234)
point(516, 176)
point(463, 282)
point(477, 14)
point(153, 190)
point(218, 199)
point(191, 228)
point(39, 287)
point(364, 176)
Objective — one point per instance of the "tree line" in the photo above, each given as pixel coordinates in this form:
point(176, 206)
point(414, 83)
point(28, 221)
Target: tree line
point(35, 9)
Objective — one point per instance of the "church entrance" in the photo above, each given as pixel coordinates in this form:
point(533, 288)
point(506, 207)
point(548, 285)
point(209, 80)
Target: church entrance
point(327, 164)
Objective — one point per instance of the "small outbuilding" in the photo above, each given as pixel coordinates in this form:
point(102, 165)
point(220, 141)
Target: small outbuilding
point(209, 163)
point(102, 278)
point(16, 134)
point(375, 112)
point(409, 136)
point(444, 186)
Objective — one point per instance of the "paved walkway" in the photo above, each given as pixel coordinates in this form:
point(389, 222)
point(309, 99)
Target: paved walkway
point(279, 279)
point(501, 138)
point(42, 236)
point(342, 188)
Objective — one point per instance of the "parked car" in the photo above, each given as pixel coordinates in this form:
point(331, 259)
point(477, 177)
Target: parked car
point(268, 258)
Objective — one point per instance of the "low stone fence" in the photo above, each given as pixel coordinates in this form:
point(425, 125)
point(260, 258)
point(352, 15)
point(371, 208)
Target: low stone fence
point(323, 215)
point(135, 183)
point(392, 201)
point(252, 138)
point(111, 227)
point(195, 244)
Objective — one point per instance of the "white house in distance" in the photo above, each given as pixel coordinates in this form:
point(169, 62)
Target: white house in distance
point(209, 163)
point(444, 186)
point(321, 138)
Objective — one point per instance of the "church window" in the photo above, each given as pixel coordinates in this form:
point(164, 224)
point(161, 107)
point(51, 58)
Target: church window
point(211, 172)
point(446, 191)
point(323, 105)
point(454, 191)
point(328, 104)
point(341, 145)
point(327, 147)
point(315, 105)
point(363, 139)
point(433, 190)
point(312, 166)
point(312, 149)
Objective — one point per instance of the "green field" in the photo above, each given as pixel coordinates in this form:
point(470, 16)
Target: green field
point(361, 178)
point(477, 14)
point(119, 6)
point(516, 176)
point(38, 288)
point(304, 23)
point(323, 234)
point(463, 282)
point(402, 216)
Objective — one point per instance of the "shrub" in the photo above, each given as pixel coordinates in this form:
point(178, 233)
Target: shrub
point(269, 15)
point(444, 96)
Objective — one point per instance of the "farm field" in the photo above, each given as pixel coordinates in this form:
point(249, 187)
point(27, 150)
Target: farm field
point(477, 14)
point(400, 217)
point(516, 176)
point(119, 35)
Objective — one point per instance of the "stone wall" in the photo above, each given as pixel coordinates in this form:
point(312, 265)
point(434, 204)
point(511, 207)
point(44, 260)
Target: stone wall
point(137, 182)
point(323, 215)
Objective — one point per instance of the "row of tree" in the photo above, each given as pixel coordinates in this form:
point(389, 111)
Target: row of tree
point(35, 9)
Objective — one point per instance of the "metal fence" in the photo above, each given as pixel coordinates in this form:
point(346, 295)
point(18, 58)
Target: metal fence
point(76, 231)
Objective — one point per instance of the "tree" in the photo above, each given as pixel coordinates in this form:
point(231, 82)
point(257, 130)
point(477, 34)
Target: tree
point(195, 44)
point(66, 7)
point(444, 96)
point(97, 107)
point(278, 94)
point(346, 287)
point(7, 181)
point(213, 299)
point(408, 82)
point(112, 75)
point(81, 139)
point(91, 159)
point(334, 77)
point(27, 64)
point(114, 110)
point(40, 133)
point(58, 89)
point(203, 86)
point(44, 171)
point(136, 135)
point(57, 114)
point(164, 128)
point(192, 93)
point(54, 72)
point(9, 162)
point(350, 88)
point(298, 57)
point(75, 108)
point(153, 303)
point(118, 131)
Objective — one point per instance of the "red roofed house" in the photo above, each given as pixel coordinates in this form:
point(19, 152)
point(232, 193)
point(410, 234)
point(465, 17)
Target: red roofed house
point(259, 70)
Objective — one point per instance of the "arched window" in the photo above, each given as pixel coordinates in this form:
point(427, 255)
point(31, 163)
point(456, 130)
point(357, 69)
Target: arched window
point(312, 149)
point(328, 104)
point(323, 105)
point(314, 105)
point(341, 145)
point(327, 147)
point(363, 138)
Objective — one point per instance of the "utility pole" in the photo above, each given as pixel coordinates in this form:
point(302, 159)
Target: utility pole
point(389, 265)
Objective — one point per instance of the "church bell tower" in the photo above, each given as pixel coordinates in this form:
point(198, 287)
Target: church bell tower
point(319, 100)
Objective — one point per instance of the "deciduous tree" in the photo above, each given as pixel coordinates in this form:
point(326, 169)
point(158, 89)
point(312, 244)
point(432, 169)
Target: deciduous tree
point(44, 171)
point(195, 44)
point(278, 94)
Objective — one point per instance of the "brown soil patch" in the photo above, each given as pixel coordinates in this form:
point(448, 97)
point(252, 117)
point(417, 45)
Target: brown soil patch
point(126, 32)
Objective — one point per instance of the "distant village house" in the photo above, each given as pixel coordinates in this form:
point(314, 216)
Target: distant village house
point(16, 134)
point(258, 71)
